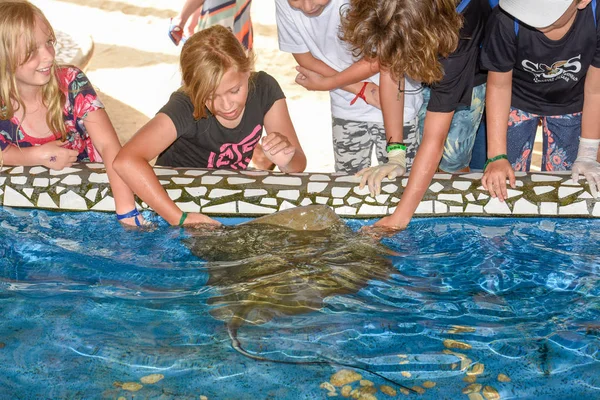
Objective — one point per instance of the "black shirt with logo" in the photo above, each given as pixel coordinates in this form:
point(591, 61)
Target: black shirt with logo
point(205, 143)
point(548, 75)
point(461, 68)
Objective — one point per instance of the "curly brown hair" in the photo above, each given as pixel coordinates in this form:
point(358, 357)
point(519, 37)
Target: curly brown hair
point(407, 37)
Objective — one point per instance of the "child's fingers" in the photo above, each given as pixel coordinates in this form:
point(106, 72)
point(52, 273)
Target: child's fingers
point(511, 178)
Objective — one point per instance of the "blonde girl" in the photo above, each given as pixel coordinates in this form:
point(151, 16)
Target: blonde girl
point(214, 121)
point(50, 115)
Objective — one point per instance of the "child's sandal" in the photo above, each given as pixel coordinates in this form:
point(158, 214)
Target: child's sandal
point(133, 213)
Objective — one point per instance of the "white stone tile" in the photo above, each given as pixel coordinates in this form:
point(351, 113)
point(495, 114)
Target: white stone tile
point(306, 202)
point(71, 180)
point(103, 193)
point(353, 200)
point(72, 201)
point(223, 172)
point(283, 181)
point(404, 182)
point(425, 207)
point(473, 175)
point(45, 201)
point(520, 174)
point(2, 180)
point(249, 208)
point(585, 195)
point(567, 191)
point(91, 194)
point(337, 202)
point(28, 192)
point(571, 182)
point(319, 178)
point(482, 196)
point(255, 192)
point(369, 199)
point(174, 194)
point(188, 206)
point(37, 170)
point(182, 181)
point(394, 200)
point(106, 204)
point(436, 187)
point(165, 172)
point(17, 170)
point(268, 201)
point(322, 200)
point(94, 165)
point(596, 211)
point(254, 173)
point(545, 178)
point(339, 191)
point(440, 208)
point(345, 211)
point(495, 206)
point(451, 197)
point(548, 208)
point(382, 198)
point(539, 190)
point(18, 180)
point(226, 208)
point(12, 198)
point(481, 188)
point(470, 197)
point(163, 182)
point(456, 209)
point(361, 192)
point(579, 208)
point(461, 185)
point(98, 178)
point(289, 194)
point(219, 193)
point(474, 209)
point(349, 178)
point(240, 181)
point(211, 180)
point(64, 171)
point(54, 180)
point(195, 172)
point(389, 188)
point(59, 189)
point(442, 176)
point(519, 184)
point(316, 187)
point(510, 193)
point(204, 202)
point(286, 205)
point(525, 207)
point(367, 209)
point(197, 191)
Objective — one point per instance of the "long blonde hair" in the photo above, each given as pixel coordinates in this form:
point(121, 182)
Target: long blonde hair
point(407, 37)
point(17, 26)
point(206, 56)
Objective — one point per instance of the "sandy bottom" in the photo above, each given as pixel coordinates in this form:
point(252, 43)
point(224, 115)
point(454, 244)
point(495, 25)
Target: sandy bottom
point(135, 65)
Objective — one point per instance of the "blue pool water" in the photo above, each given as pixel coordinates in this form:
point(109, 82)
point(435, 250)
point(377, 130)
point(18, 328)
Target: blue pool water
point(87, 306)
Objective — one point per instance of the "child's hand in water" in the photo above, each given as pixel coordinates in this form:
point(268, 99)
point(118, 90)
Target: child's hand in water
point(54, 156)
point(278, 149)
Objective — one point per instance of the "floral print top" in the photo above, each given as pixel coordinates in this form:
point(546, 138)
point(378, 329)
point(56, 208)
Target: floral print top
point(81, 100)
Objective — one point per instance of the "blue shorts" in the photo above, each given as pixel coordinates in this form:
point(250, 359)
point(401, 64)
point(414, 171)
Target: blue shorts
point(463, 129)
point(560, 139)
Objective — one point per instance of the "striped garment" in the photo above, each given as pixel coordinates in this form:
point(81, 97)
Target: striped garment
point(231, 14)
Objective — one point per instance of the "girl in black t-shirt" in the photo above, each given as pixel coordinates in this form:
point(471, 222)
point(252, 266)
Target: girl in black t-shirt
point(543, 58)
point(214, 121)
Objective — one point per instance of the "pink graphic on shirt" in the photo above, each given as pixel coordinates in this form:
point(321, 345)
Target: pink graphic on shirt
point(233, 155)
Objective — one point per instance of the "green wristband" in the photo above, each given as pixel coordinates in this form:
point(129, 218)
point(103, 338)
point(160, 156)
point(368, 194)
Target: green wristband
point(395, 146)
point(491, 160)
point(182, 219)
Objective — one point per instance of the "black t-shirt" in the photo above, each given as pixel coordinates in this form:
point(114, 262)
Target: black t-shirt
point(461, 69)
point(548, 75)
point(205, 143)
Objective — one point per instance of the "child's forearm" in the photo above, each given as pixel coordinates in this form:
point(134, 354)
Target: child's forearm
point(424, 167)
point(590, 119)
point(189, 7)
point(498, 99)
point(25, 156)
point(392, 107)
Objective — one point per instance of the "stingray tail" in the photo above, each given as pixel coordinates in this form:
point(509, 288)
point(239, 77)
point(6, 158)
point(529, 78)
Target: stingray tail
point(235, 343)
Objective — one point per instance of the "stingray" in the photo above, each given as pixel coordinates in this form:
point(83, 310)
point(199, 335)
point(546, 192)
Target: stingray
point(286, 264)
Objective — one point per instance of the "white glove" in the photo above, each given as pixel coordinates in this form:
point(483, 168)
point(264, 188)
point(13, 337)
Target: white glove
point(395, 166)
point(587, 165)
